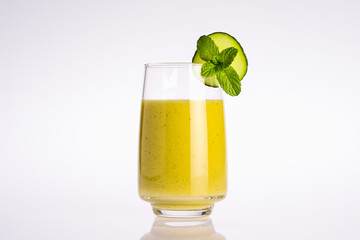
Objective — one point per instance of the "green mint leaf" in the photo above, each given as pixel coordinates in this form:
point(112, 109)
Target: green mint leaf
point(229, 81)
point(207, 48)
point(216, 60)
point(209, 69)
point(227, 56)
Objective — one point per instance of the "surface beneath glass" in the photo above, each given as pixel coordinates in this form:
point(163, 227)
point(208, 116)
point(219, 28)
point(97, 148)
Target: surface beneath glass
point(247, 213)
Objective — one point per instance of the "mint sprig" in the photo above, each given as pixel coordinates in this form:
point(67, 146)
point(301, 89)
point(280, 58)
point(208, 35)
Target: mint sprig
point(218, 64)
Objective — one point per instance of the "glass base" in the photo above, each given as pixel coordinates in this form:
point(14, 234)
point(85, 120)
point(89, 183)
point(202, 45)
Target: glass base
point(182, 213)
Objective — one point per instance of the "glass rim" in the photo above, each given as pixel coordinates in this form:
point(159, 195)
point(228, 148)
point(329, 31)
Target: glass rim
point(171, 65)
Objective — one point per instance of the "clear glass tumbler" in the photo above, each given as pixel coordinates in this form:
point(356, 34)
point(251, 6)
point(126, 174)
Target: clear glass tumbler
point(182, 152)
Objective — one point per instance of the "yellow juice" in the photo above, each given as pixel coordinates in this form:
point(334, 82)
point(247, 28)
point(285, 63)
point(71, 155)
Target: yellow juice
point(182, 153)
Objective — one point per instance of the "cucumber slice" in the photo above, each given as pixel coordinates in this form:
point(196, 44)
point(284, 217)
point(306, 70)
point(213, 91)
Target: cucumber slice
point(224, 40)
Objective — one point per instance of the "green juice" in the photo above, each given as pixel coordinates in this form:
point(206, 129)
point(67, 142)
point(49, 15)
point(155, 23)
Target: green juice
point(182, 153)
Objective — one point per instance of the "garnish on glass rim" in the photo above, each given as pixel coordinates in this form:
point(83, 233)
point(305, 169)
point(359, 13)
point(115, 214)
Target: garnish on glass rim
point(226, 67)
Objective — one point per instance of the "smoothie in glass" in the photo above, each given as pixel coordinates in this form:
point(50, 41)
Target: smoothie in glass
point(182, 153)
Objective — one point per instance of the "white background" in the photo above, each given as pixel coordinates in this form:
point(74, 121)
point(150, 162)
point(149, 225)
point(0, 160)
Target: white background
point(71, 75)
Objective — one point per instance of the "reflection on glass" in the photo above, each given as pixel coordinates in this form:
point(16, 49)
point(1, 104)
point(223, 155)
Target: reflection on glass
point(181, 229)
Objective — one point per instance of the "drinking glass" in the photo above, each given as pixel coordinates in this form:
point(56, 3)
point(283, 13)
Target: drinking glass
point(182, 155)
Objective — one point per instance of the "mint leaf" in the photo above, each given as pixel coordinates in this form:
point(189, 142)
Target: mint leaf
point(209, 69)
point(207, 48)
point(216, 60)
point(229, 81)
point(227, 56)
